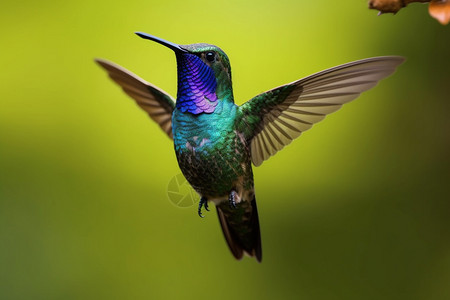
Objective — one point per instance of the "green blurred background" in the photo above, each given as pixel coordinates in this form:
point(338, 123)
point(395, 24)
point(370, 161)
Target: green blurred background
point(357, 208)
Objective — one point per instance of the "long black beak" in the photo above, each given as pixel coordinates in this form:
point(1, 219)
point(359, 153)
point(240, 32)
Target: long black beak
point(168, 44)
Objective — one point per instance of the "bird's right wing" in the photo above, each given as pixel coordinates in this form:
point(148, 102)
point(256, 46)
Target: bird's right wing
point(157, 103)
point(273, 119)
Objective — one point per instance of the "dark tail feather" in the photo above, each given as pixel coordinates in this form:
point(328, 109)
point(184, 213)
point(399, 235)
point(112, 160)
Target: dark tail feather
point(240, 227)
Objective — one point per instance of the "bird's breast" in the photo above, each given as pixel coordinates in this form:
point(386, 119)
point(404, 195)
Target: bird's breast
point(205, 130)
point(212, 155)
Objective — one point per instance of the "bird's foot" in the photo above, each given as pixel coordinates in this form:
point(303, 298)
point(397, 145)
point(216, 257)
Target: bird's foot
point(203, 203)
point(232, 199)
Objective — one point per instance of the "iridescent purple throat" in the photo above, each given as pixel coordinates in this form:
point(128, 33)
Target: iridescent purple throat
point(196, 85)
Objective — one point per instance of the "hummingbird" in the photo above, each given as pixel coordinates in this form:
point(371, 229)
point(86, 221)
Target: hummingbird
point(216, 141)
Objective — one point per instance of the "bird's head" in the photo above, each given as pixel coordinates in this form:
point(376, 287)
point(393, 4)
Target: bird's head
point(204, 75)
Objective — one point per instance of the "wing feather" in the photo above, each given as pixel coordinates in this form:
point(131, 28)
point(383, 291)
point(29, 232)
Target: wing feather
point(157, 103)
point(285, 112)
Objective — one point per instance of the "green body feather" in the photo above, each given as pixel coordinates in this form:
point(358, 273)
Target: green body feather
point(213, 156)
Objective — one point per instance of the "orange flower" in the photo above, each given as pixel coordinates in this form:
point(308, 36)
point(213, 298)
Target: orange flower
point(440, 10)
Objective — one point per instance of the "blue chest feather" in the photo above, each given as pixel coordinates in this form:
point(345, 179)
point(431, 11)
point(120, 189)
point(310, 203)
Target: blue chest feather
point(204, 131)
point(196, 85)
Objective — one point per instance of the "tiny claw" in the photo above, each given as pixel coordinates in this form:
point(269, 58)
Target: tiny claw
point(232, 200)
point(203, 202)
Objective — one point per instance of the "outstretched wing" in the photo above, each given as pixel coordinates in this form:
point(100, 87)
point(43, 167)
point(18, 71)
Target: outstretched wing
point(274, 118)
point(157, 103)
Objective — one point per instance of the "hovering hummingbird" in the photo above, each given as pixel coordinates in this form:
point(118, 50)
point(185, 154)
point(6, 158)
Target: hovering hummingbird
point(216, 141)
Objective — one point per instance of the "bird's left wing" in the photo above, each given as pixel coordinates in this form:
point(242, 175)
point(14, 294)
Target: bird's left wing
point(273, 119)
point(157, 103)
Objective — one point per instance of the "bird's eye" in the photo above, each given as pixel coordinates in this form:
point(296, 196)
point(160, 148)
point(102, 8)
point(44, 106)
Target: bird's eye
point(210, 56)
